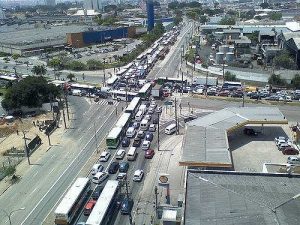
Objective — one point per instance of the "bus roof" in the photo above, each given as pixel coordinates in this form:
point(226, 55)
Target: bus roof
point(114, 133)
point(134, 102)
point(112, 80)
point(76, 85)
point(71, 196)
point(145, 88)
point(103, 203)
point(123, 92)
point(123, 120)
point(121, 72)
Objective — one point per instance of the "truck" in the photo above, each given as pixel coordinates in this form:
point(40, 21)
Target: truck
point(209, 81)
point(157, 91)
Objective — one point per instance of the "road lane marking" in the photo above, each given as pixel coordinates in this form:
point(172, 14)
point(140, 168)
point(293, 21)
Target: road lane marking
point(51, 171)
point(36, 173)
point(64, 173)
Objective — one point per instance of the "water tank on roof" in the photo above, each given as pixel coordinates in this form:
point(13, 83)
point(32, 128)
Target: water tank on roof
point(219, 57)
point(229, 56)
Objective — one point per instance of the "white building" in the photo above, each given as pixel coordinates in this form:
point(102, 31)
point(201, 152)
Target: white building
point(93, 4)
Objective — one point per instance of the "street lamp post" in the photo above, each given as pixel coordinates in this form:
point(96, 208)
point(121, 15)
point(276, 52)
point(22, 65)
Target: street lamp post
point(158, 132)
point(10, 214)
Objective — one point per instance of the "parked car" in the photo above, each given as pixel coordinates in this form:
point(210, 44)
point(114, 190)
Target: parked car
point(136, 142)
point(152, 128)
point(123, 167)
point(141, 134)
point(280, 138)
point(89, 207)
point(224, 93)
point(250, 131)
point(290, 151)
point(125, 142)
point(283, 146)
point(126, 206)
point(149, 136)
point(293, 160)
point(96, 168)
point(138, 175)
point(104, 156)
point(98, 190)
point(113, 168)
point(237, 94)
point(149, 154)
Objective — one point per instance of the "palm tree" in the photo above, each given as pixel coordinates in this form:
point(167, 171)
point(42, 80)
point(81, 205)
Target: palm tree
point(39, 70)
point(71, 76)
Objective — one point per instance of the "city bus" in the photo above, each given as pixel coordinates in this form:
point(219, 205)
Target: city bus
point(74, 199)
point(121, 95)
point(232, 85)
point(106, 205)
point(133, 106)
point(112, 81)
point(145, 91)
point(114, 137)
point(124, 121)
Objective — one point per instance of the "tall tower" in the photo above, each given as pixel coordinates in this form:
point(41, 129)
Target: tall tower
point(150, 14)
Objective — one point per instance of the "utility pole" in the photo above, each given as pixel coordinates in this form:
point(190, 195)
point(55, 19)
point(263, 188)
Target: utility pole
point(126, 92)
point(96, 140)
point(158, 132)
point(104, 72)
point(67, 105)
point(64, 117)
point(26, 147)
point(127, 195)
point(181, 83)
point(156, 206)
point(206, 83)
point(223, 71)
point(176, 119)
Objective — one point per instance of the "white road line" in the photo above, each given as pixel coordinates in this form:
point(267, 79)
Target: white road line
point(51, 171)
point(36, 173)
point(73, 179)
point(52, 156)
point(33, 190)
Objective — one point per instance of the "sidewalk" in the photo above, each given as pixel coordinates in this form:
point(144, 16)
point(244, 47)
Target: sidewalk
point(17, 141)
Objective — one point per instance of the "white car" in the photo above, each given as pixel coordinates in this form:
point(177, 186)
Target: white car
point(146, 145)
point(148, 117)
point(279, 138)
point(104, 156)
point(121, 176)
point(293, 160)
point(99, 177)
point(151, 110)
point(120, 154)
point(152, 128)
point(138, 175)
point(96, 168)
point(158, 109)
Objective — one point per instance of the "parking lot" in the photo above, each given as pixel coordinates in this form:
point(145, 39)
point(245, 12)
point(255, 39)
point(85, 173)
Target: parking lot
point(249, 153)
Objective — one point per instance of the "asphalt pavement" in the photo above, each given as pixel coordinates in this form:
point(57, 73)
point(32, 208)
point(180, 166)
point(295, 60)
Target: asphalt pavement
point(48, 178)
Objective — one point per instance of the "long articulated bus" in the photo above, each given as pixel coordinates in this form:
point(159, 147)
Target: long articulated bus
point(114, 137)
point(145, 91)
point(74, 199)
point(112, 81)
point(106, 205)
point(121, 95)
point(162, 80)
point(124, 121)
point(133, 106)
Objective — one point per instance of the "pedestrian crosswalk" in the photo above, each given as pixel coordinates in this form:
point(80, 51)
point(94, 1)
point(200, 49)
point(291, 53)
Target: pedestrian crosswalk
point(106, 102)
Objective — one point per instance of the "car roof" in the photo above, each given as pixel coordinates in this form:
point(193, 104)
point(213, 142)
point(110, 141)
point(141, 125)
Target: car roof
point(138, 172)
point(120, 150)
point(104, 153)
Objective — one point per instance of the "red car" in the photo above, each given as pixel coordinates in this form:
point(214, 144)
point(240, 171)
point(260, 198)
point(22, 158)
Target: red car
point(149, 154)
point(224, 93)
point(290, 151)
point(89, 207)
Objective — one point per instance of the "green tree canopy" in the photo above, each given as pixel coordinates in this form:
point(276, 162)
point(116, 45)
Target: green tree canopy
point(15, 56)
point(39, 70)
point(71, 76)
point(264, 5)
point(284, 60)
point(93, 64)
point(296, 81)
point(275, 15)
point(31, 92)
point(227, 21)
point(230, 76)
point(76, 65)
point(276, 80)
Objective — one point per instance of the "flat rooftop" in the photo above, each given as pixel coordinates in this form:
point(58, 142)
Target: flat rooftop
point(220, 197)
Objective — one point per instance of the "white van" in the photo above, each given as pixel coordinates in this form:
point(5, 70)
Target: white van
point(170, 129)
point(139, 116)
point(130, 132)
point(131, 155)
point(143, 109)
point(144, 125)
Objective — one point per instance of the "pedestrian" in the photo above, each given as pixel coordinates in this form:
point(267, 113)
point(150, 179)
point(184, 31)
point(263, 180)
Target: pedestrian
point(17, 132)
point(33, 123)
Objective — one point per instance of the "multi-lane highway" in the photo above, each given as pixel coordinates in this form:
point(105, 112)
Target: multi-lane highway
point(41, 186)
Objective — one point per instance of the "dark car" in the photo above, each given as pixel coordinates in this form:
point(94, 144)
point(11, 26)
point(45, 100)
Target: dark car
point(149, 154)
point(224, 93)
point(290, 151)
point(125, 142)
point(113, 168)
point(237, 94)
point(211, 93)
point(123, 167)
point(149, 136)
point(189, 118)
point(250, 131)
point(126, 206)
point(155, 120)
point(136, 142)
point(141, 134)
point(97, 192)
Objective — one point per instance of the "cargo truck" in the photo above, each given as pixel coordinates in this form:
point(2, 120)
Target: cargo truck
point(157, 91)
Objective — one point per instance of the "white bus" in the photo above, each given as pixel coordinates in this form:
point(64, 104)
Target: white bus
point(114, 137)
point(121, 95)
point(106, 205)
point(124, 121)
point(72, 202)
point(112, 81)
point(133, 106)
point(145, 91)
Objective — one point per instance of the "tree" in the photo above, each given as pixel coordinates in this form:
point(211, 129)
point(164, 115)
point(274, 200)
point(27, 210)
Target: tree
point(227, 21)
point(93, 64)
point(230, 77)
point(71, 76)
point(15, 56)
point(31, 92)
point(76, 65)
point(192, 15)
point(296, 81)
point(39, 70)
point(55, 63)
point(203, 19)
point(253, 37)
point(284, 60)
point(275, 15)
point(276, 80)
point(264, 5)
